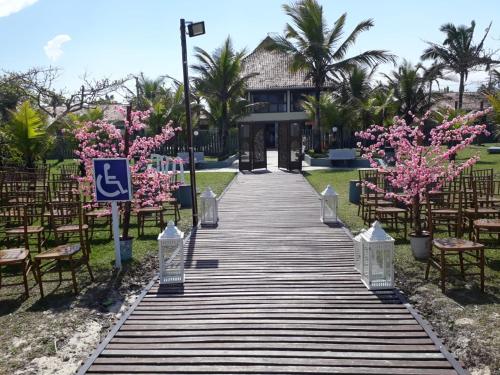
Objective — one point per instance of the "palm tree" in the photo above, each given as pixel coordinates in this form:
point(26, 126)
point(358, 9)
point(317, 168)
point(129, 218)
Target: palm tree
point(410, 89)
point(318, 50)
point(458, 53)
point(148, 91)
point(220, 82)
point(26, 132)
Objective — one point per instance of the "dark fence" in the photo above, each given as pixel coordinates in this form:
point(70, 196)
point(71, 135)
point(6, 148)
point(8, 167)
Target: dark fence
point(207, 142)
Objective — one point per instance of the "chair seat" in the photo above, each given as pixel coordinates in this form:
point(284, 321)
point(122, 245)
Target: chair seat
point(11, 256)
point(444, 212)
point(487, 224)
point(481, 211)
point(373, 202)
point(20, 230)
point(99, 213)
point(59, 252)
point(70, 228)
point(150, 210)
point(390, 210)
point(456, 244)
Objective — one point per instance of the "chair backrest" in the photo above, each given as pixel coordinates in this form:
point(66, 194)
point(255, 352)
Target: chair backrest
point(65, 213)
point(14, 216)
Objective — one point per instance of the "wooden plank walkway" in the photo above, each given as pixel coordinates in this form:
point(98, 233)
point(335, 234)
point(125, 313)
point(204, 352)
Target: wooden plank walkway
point(272, 290)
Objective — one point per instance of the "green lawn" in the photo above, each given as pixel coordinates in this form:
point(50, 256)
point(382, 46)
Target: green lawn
point(481, 308)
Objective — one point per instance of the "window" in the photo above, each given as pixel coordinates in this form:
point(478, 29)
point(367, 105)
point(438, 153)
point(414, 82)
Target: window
point(296, 99)
point(272, 101)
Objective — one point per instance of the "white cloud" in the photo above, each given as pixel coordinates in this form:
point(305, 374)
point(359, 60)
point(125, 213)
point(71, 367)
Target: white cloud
point(8, 7)
point(53, 48)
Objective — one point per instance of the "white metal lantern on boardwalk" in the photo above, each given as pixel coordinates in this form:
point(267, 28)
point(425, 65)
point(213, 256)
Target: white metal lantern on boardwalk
point(377, 254)
point(357, 251)
point(171, 248)
point(209, 208)
point(329, 204)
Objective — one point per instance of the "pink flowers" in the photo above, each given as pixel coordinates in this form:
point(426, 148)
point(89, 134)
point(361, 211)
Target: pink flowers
point(423, 162)
point(101, 139)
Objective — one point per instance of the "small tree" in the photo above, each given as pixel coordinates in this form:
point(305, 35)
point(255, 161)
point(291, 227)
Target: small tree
point(101, 139)
point(26, 134)
point(422, 162)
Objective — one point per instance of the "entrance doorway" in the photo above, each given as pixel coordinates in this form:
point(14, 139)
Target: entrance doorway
point(290, 153)
point(252, 147)
point(270, 136)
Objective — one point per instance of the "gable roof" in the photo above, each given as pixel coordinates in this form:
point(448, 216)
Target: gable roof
point(273, 70)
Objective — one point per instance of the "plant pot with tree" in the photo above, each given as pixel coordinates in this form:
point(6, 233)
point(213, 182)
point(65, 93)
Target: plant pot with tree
point(422, 162)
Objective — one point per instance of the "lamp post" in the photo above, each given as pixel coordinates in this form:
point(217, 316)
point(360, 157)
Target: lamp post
point(194, 29)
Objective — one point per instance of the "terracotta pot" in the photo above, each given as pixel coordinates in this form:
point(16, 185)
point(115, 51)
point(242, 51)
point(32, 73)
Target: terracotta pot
point(420, 245)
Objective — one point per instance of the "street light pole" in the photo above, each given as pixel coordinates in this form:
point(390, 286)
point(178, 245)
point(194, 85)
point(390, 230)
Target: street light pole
point(187, 101)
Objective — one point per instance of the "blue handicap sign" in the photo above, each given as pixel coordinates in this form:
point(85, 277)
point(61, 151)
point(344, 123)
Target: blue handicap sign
point(112, 180)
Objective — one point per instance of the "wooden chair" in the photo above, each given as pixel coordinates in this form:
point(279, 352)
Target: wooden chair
point(473, 210)
point(98, 213)
point(447, 210)
point(370, 199)
point(486, 226)
point(68, 221)
point(69, 215)
point(154, 214)
point(393, 216)
point(16, 256)
point(35, 211)
point(447, 247)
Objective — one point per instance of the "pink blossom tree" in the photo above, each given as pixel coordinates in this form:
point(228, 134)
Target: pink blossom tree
point(423, 162)
point(102, 139)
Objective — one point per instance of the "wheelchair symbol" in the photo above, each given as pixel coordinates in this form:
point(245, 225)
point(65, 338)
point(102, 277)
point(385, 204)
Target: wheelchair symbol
point(109, 180)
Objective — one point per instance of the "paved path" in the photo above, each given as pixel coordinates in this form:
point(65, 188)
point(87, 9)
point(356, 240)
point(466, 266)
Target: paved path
point(272, 290)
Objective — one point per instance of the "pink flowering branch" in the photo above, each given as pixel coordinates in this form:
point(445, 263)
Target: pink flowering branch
point(102, 139)
point(422, 162)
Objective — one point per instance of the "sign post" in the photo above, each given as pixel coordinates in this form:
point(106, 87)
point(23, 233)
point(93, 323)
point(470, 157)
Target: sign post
point(112, 184)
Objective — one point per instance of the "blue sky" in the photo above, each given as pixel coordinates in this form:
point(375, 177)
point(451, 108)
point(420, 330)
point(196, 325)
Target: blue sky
point(112, 38)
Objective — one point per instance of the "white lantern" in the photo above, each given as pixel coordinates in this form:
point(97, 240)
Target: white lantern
point(329, 204)
point(357, 251)
point(171, 248)
point(209, 210)
point(377, 268)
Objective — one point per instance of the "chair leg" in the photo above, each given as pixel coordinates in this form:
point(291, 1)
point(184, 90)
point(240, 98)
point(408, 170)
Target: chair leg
point(443, 272)
point(481, 265)
point(87, 264)
point(39, 273)
point(461, 258)
point(25, 278)
point(73, 275)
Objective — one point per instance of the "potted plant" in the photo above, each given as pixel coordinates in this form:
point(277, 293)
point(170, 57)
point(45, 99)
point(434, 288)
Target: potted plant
point(422, 162)
point(102, 139)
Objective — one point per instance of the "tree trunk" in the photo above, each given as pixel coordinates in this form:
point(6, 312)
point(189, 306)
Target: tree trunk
point(225, 130)
point(316, 136)
point(461, 90)
point(416, 216)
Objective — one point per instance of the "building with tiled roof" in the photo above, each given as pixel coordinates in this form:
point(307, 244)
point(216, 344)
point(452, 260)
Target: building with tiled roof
point(278, 90)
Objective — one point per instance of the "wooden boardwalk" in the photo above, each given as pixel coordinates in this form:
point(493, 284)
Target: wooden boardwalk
point(272, 290)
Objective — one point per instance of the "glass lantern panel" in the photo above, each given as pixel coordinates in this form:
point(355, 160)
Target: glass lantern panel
point(378, 264)
point(365, 259)
point(330, 207)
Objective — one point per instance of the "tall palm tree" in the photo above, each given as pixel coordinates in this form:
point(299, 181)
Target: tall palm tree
point(220, 81)
point(459, 54)
point(149, 91)
point(318, 49)
point(410, 89)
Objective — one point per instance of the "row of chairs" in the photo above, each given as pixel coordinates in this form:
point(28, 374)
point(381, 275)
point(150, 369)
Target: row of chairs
point(38, 205)
point(469, 204)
